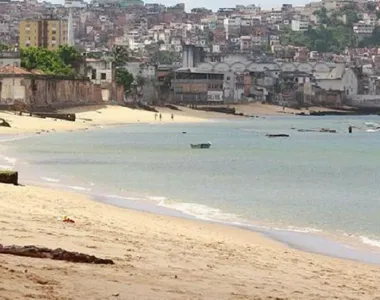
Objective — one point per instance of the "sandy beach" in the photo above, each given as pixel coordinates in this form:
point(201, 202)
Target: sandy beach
point(158, 257)
point(108, 115)
point(87, 118)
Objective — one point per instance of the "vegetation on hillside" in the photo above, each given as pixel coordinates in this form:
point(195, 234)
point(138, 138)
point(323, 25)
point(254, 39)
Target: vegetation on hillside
point(333, 34)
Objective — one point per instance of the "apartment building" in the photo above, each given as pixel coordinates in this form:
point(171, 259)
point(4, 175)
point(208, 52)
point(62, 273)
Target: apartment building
point(46, 33)
point(298, 25)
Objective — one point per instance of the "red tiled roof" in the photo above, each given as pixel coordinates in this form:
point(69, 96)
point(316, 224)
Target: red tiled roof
point(37, 72)
point(8, 69)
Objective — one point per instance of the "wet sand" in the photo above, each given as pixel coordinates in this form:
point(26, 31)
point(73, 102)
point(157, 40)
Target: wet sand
point(158, 257)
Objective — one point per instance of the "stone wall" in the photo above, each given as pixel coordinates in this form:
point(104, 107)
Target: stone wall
point(52, 92)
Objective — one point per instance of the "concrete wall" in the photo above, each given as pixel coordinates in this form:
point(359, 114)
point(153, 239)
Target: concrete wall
point(51, 92)
point(11, 89)
point(365, 101)
point(330, 84)
point(57, 93)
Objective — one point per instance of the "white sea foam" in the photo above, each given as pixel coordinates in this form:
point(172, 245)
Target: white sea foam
point(49, 179)
point(79, 188)
point(158, 199)
point(371, 242)
point(10, 160)
point(6, 167)
point(202, 212)
point(124, 197)
point(13, 138)
point(303, 229)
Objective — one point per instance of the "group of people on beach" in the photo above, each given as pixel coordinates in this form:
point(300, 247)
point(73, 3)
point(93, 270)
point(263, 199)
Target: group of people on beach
point(160, 116)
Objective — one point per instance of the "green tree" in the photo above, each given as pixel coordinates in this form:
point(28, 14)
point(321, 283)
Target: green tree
point(69, 55)
point(321, 15)
point(5, 47)
point(324, 38)
point(124, 78)
point(120, 55)
point(45, 60)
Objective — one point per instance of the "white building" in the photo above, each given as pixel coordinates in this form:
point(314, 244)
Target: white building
point(10, 58)
point(362, 28)
point(339, 78)
point(99, 70)
point(275, 16)
point(75, 4)
point(298, 25)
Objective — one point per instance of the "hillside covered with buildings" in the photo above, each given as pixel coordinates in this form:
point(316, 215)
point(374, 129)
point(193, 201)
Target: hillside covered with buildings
point(323, 53)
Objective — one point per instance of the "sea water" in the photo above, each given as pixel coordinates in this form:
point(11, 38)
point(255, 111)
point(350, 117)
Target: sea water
point(310, 182)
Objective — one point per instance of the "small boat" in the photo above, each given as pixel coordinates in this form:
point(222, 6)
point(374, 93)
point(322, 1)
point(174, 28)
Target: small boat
point(200, 146)
point(277, 135)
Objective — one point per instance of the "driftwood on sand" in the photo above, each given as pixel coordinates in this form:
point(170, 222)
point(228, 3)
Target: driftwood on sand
point(56, 254)
point(4, 123)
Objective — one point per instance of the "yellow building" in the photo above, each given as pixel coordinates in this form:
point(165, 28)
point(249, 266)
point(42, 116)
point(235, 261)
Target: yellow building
point(45, 33)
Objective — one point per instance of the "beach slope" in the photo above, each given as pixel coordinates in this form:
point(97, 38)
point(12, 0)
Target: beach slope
point(89, 117)
point(158, 257)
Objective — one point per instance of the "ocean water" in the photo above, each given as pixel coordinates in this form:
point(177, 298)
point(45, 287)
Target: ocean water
point(320, 185)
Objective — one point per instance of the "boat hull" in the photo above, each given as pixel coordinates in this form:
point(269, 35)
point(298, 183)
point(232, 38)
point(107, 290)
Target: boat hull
point(200, 146)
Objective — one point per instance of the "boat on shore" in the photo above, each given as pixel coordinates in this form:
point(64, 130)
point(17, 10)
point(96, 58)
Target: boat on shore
point(201, 146)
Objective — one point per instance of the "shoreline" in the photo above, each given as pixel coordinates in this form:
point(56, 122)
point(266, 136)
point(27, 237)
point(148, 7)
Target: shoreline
point(88, 118)
point(185, 258)
point(159, 256)
point(287, 236)
point(303, 239)
point(93, 117)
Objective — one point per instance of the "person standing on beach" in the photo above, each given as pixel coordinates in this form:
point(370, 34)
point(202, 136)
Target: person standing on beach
point(160, 117)
point(172, 117)
point(155, 116)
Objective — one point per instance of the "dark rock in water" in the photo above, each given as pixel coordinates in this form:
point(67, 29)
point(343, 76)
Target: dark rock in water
point(184, 132)
point(4, 123)
point(318, 130)
point(9, 177)
point(278, 135)
point(327, 130)
point(56, 254)
point(308, 130)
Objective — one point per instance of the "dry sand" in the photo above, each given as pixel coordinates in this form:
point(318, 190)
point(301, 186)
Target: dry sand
point(93, 116)
point(87, 118)
point(158, 257)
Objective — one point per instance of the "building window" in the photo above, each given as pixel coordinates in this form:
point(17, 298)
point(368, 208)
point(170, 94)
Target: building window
point(93, 74)
point(53, 38)
point(103, 76)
